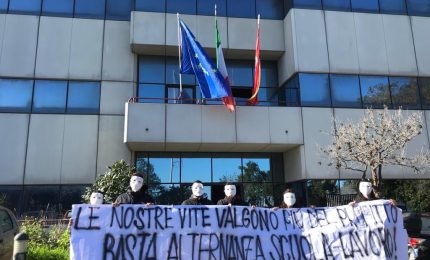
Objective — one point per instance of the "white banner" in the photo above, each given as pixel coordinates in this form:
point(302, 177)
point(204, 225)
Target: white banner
point(369, 230)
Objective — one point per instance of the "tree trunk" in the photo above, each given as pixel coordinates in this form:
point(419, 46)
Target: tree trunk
point(375, 183)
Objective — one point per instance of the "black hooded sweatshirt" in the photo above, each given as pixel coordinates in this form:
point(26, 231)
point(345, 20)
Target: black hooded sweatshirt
point(200, 200)
point(233, 200)
point(130, 197)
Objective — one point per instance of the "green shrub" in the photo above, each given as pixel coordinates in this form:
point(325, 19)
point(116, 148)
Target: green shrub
point(47, 253)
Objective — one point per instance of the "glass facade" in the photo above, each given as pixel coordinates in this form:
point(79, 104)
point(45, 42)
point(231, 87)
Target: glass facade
point(15, 95)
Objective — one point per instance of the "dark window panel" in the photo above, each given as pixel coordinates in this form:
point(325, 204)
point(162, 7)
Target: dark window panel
point(151, 5)
point(345, 90)
point(25, 6)
point(58, 8)
point(3, 6)
point(392, 6)
point(404, 92)
point(181, 6)
point(375, 91)
point(269, 74)
point(289, 93)
point(226, 168)
point(42, 201)
point(69, 195)
point(277, 167)
point(90, 9)
point(424, 84)
point(186, 97)
point(83, 97)
point(418, 7)
point(119, 9)
point(164, 168)
point(168, 194)
point(172, 73)
point(142, 163)
point(259, 194)
point(365, 6)
point(152, 69)
point(206, 7)
point(268, 96)
point(12, 198)
point(151, 93)
point(196, 167)
point(240, 73)
point(337, 5)
point(311, 4)
point(49, 96)
point(15, 95)
point(241, 8)
point(270, 9)
point(314, 90)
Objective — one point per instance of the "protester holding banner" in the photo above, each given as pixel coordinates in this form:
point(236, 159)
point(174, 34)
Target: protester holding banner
point(136, 194)
point(198, 197)
point(231, 198)
point(96, 198)
point(289, 200)
point(366, 193)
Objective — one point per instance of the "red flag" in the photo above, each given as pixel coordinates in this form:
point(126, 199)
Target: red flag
point(253, 100)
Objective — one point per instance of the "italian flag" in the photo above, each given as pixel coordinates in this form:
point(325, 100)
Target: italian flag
point(229, 100)
point(253, 100)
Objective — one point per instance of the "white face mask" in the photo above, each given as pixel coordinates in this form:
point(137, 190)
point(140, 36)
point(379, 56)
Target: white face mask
point(230, 190)
point(96, 198)
point(289, 199)
point(365, 188)
point(197, 189)
point(136, 183)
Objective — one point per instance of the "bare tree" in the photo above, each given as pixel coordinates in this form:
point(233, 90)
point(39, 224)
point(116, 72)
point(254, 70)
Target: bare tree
point(379, 139)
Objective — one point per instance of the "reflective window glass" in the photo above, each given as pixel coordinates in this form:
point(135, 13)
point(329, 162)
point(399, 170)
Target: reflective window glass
point(119, 9)
point(269, 75)
point(345, 90)
point(12, 197)
point(314, 90)
point(404, 92)
point(311, 4)
point(290, 94)
point(172, 73)
point(69, 195)
point(374, 91)
point(337, 5)
point(365, 6)
point(83, 97)
point(256, 169)
point(259, 194)
point(90, 9)
point(25, 6)
point(226, 168)
point(58, 7)
point(241, 8)
point(142, 163)
point(206, 7)
point(181, 6)
point(3, 5)
point(196, 167)
point(392, 6)
point(151, 69)
point(424, 84)
point(15, 95)
point(268, 96)
point(151, 93)
point(49, 96)
point(41, 200)
point(240, 73)
point(165, 167)
point(418, 7)
point(168, 194)
point(270, 9)
point(187, 97)
point(151, 5)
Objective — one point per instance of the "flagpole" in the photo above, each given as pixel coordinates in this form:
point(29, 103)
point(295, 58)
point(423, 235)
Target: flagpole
point(179, 56)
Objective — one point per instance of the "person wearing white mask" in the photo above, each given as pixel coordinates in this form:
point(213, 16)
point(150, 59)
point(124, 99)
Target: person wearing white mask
point(136, 194)
point(231, 198)
point(289, 200)
point(198, 197)
point(96, 198)
point(366, 193)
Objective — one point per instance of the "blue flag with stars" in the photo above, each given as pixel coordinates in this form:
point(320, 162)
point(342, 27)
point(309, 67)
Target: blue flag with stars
point(194, 60)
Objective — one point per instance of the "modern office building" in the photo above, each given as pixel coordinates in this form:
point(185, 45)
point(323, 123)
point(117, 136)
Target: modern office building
point(84, 83)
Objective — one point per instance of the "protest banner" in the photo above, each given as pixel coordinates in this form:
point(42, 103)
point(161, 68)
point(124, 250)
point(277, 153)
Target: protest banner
point(368, 230)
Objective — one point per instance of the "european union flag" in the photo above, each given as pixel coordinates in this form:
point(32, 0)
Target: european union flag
point(194, 60)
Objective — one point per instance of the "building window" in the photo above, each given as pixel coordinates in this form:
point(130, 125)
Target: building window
point(151, 5)
point(58, 8)
point(182, 7)
point(152, 69)
point(151, 93)
point(241, 8)
point(311, 4)
point(370, 6)
point(172, 73)
point(83, 97)
point(49, 96)
point(270, 9)
point(404, 92)
point(3, 6)
point(418, 7)
point(206, 7)
point(345, 90)
point(196, 167)
point(119, 9)
point(375, 91)
point(94, 9)
point(15, 95)
point(176, 97)
point(424, 84)
point(226, 168)
point(25, 6)
point(337, 5)
point(314, 90)
point(393, 6)
point(240, 73)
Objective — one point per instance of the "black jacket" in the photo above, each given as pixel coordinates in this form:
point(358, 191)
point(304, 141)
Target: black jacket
point(131, 197)
point(193, 200)
point(361, 198)
point(233, 200)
